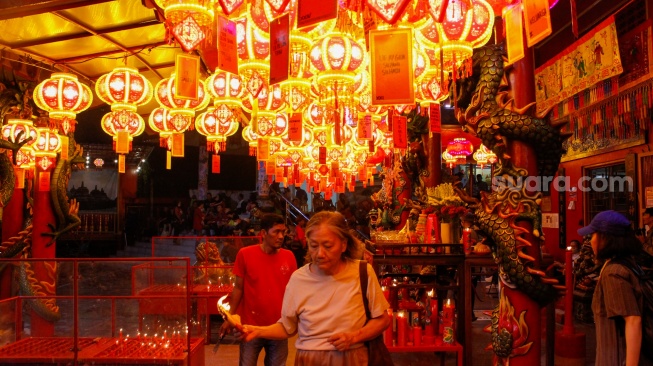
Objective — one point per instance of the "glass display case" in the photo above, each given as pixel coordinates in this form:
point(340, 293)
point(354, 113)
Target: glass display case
point(99, 312)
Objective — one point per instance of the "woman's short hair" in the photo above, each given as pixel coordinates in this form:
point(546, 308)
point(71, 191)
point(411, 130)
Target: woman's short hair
point(337, 223)
point(619, 246)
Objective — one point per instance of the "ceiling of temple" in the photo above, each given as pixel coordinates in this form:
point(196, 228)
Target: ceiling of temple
point(90, 38)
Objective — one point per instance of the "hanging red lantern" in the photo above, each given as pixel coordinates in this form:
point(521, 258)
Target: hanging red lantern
point(460, 146)
point(124, 88)
point(62, 96)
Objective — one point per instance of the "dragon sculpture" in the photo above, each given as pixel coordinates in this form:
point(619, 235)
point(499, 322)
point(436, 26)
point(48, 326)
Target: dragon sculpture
point(65, 210)
point(15, 103)
point(484, 110)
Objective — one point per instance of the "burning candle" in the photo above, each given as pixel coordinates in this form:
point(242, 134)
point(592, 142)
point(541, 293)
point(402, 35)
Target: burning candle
point(432, 310)
point(120, 333)
point(467, 245)
point(388, 334)
point(448, 313)
point(568, 327)
point(417, 335)
point(402, 327)
point(429, 229)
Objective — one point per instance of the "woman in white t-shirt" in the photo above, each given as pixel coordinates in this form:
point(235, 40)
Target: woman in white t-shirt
point(323, 300)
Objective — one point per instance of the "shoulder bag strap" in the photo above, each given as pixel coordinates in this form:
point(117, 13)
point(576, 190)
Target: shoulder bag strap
point(362, 268)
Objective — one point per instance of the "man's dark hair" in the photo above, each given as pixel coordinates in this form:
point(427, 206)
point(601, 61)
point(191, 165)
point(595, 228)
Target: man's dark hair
point(269, 220)
point(619, 246)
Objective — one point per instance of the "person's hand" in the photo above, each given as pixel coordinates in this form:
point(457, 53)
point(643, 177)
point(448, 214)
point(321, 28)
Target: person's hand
point(251, 332)
point(227, 327)
point(342, 341)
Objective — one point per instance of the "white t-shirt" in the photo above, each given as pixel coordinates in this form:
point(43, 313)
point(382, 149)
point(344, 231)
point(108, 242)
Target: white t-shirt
point(318, 306)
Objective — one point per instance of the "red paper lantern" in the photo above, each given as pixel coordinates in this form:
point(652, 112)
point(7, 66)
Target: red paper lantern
point(62, 96)
point(460, 147)
point(124, 88)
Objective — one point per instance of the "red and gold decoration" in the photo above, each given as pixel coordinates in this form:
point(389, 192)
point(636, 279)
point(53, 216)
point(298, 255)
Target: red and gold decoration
point(63, 96)
point(190, 21)
point(16, 131)
point(125, 89)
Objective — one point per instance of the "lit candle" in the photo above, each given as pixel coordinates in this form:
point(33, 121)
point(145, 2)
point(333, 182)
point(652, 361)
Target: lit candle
point(568, 327)
point(433, 309)
point(120, 333)
point(386, 292)
point(467, 245)
point(417, 335)
point(448, 313)
point(429, 229)
point(402, 327)
point(388, 334)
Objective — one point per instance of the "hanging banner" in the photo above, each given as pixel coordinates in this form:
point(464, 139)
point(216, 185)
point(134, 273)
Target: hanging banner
point(512, 20)
point(399, 133)
point(122, 142)
point(537, 20)
point(178, 145)
point(187, 72)
point(279, 49)
point(310, 12)
point(227, 46)
point(209, 48)
point(64, 147)
point(365, 126)
point(435, 118)
point(594, 57)
point(263, 152)
point(295, 127)
point(215, 164)
point(168, 161)
point(44, 182)
point(121, 163)
point(392, 66)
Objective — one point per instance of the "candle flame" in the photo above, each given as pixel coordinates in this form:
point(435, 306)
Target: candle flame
point(569, 248)
point(401, 314)
point(448, 302)
point(430, 293)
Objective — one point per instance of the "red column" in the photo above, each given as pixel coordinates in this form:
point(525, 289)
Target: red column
point(433, 146)
point(43, 215)
point(12, 222)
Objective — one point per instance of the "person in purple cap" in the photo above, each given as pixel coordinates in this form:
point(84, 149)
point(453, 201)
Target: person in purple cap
point(617, 303)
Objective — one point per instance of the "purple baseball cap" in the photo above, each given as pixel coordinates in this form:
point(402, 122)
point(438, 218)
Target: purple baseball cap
point(606, 222)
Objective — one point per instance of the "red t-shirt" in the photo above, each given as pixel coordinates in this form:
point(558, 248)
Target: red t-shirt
point(265, 277)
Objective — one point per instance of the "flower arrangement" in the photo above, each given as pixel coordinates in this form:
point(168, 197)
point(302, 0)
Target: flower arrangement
point(447, 204)
point(448, 213)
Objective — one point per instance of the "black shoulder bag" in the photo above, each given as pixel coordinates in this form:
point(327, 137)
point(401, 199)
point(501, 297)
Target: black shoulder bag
point(378, 354)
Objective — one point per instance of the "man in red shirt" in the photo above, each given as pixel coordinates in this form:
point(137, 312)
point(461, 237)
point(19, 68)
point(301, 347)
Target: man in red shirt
point(262, 273)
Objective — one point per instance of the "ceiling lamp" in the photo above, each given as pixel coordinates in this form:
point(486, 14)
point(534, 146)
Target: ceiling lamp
point(190, 21)
point(465, 24)
point(211, 125)
point(125, 122)
point(460, 147)
point(46, 147)
point(125, 89)
point(62, 96)
point(16, 131)
point(449, 159)
point(158, 121)
point(181, 111)
point(297, 88)
point(484, 156)
point(252, 139)
point(253, 53)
